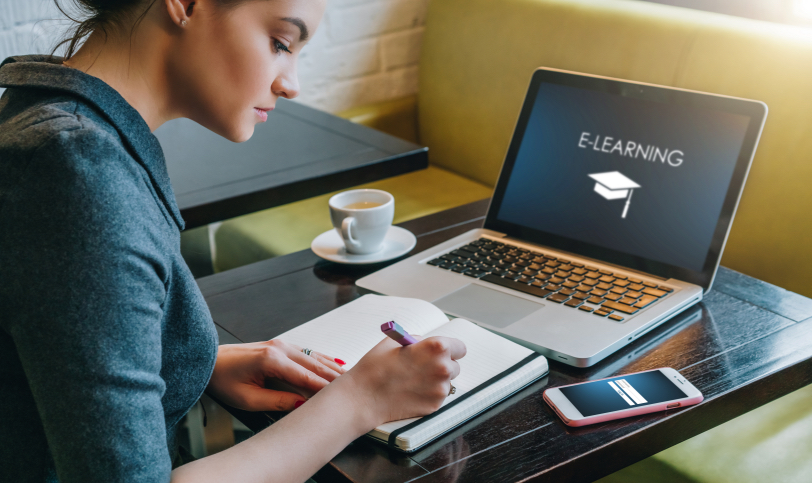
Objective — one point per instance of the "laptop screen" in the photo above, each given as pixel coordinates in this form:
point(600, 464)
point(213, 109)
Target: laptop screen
point(623, 175)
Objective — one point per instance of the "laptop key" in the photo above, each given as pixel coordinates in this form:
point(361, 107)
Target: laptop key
point(580, 295)
point(539, 283)
point(528, 289)
point(592, 275)
point(618, 290)
point(627, 301)
point(557, 297)
point(553, 287)
point(620, 283)
point(576, 278)
point(607, 279)
point(654, 292)
point(566, 291)
point(598, 292)
point(634, 295)
point(650, 285)
point(475, 273)
point(595, 300)
point(644, 301)
point(620, 277)
point(590, 282)
point(636, 287)
point(459, 269)
point(604, 286)
point(665, 289)
point(573, 302)
point(613, 296)
point(569, 284)
point(436, 261)
point(602, 313)
point(462, 253)
point(585, 308)
point(584, 288)
point(616, 317)
point(620, 307)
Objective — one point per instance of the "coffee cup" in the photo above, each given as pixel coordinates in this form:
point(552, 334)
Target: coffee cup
point(362, 218)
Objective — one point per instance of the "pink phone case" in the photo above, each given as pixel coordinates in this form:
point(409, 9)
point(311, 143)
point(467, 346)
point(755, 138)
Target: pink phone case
point(600, 418)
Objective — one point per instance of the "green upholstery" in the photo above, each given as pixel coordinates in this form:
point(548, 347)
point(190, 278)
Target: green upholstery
point(292, 227)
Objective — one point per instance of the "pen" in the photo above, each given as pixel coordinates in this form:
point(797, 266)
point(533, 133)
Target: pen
point(399, 335)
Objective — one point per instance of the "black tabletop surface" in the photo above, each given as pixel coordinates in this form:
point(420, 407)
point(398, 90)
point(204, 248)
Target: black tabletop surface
point(300, 152)
point(746, 344)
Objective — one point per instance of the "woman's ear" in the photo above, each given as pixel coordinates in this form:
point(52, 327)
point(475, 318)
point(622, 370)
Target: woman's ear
point(180, 11)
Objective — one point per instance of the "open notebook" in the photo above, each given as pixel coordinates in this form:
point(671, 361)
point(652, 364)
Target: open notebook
point(493, 368)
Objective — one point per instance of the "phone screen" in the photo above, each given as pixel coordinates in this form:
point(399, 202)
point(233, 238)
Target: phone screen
point(623, 392)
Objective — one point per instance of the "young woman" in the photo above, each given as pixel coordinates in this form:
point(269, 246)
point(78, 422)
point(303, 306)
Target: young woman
point(105, 339)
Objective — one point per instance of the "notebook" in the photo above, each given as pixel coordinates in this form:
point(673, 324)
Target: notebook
point(493, 368)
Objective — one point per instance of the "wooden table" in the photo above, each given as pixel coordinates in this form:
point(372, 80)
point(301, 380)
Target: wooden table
point(300, 152)
point(745, 345)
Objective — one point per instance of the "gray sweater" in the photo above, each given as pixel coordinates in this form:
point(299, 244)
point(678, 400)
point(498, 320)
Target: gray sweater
point(105, 339)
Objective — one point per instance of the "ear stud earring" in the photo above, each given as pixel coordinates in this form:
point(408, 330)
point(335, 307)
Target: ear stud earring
point(183, 23)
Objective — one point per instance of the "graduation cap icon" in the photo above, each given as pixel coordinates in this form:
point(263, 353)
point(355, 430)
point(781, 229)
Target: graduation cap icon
point(614, 186)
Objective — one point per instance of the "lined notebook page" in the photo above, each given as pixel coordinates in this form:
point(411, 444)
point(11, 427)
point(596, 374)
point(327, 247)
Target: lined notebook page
point(352, 330)
point(488, 355)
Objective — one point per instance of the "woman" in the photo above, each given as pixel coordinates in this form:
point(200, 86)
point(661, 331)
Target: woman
point(105, 340)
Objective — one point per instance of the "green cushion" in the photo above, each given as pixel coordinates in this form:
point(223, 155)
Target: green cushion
point(771, 443)
point(290, 228)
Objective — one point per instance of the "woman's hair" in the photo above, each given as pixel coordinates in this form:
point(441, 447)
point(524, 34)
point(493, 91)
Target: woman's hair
point(104, 15)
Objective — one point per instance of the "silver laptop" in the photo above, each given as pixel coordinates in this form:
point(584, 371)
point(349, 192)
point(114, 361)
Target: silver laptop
point(609, 217)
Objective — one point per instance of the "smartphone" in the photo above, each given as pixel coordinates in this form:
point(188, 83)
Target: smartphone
point(622, 396)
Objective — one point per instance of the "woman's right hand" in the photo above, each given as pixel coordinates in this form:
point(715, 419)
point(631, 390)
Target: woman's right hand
point(393, 382)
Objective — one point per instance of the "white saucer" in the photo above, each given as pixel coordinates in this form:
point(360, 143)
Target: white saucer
point(330, 246)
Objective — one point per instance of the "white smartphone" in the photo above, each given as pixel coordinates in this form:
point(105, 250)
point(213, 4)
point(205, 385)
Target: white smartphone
point(622, 396)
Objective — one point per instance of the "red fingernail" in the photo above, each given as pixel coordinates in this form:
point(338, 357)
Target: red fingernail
point(340, 362)
point(297, 404)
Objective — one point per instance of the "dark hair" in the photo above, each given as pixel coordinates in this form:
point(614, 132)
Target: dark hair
point(98, 15)
point(105, 15)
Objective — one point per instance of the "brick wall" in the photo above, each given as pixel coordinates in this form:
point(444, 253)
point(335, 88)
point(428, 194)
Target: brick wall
point(364, 51)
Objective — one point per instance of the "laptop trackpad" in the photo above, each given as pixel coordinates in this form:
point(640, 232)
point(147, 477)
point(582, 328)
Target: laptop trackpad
point(485, 305)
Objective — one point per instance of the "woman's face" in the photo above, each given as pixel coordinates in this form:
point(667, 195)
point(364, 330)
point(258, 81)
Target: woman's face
point(228, 66)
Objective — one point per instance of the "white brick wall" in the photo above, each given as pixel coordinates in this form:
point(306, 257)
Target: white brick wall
point(364, 51)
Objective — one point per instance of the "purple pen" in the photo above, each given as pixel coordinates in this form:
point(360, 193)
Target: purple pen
point(397, 333)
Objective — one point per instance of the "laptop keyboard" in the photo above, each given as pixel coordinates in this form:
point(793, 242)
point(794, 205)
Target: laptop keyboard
point(582, 287)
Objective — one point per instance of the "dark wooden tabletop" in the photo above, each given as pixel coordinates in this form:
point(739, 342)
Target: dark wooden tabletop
point(300, 152)
point(746, 344)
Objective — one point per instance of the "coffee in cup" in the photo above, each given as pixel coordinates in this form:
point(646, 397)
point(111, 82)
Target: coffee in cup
point(362, 218)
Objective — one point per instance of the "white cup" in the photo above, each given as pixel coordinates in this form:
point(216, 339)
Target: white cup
point(362, 218)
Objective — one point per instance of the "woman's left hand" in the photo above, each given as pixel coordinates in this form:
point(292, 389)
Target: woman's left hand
point(241, 371)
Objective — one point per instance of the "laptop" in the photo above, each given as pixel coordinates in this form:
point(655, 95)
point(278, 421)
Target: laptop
point(609, 217)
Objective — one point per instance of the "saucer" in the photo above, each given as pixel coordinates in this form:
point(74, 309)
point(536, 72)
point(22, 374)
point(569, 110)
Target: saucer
point(330, 246)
